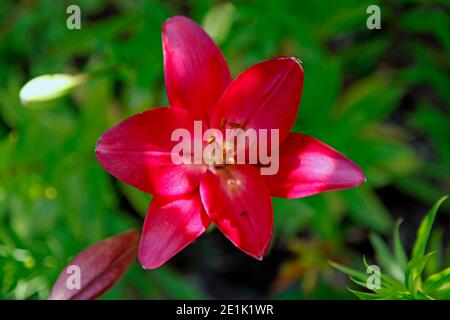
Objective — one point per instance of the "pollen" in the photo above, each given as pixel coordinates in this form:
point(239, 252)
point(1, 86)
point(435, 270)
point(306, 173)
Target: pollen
point(211, 139)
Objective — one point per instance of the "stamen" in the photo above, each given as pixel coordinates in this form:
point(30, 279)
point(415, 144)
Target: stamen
point(223, 122)
point(211, 139)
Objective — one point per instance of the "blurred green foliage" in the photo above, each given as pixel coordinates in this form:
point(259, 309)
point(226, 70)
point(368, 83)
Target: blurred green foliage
point(379, 96)
point(404, 280)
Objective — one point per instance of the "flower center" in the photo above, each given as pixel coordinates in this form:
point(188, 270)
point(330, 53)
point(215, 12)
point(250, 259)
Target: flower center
point(221, 154)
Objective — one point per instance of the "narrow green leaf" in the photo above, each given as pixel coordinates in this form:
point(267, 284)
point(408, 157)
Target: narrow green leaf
point(437, 280)
point(413, 274)
point(422, 296)
point(366, 264)
point(424, 231)
point(363, 295)
point(392, 282)
point(399, 251)
point(385, 290)
point(359, 283)
point(384, 257)
point(360, 276)
point(399, 296)
point(435, 244)
point(443, 293)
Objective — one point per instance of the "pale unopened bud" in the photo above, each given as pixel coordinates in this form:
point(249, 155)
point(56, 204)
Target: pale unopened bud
point(48, 87)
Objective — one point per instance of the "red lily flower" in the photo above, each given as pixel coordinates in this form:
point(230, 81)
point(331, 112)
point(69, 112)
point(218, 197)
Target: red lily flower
point(236, 198)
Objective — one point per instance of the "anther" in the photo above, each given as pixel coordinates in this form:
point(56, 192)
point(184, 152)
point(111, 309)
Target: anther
point(223, 122)
point(211, 139)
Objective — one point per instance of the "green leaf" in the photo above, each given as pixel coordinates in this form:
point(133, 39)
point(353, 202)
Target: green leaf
point(422, 296)
point(424, 231)
point(413, 274)
point(385, 290)
point(435, 244)
point(443, 293)
point(437, 280)
point(358, 275)
point(399, 251)
point(384, 257)
point(363, 295)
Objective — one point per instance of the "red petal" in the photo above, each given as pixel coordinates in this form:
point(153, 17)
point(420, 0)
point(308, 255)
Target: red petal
point(238, 201)
point(195, 70)
point(98, 267)
point(171, 224)
point(308, 166)
point(138, 152)
point(265, 96)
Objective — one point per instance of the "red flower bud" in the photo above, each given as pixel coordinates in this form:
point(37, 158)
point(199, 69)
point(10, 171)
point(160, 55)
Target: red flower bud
point(97, 268)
